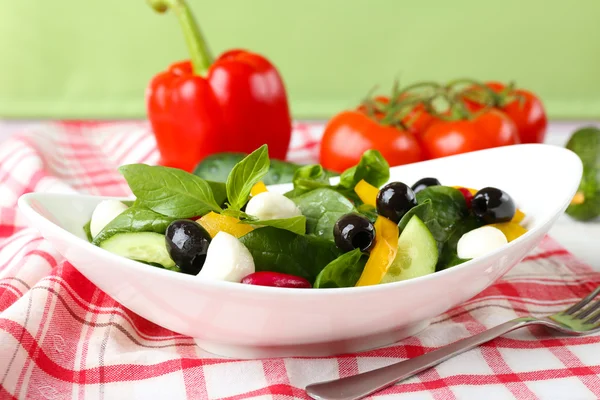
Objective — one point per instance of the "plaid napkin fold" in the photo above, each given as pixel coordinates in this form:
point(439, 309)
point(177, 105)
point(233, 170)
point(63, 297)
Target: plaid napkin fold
point(63, 338)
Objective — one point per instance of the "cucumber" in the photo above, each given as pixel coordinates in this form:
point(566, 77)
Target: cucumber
point(417, 253)
point(585, 142)
point(147, 247)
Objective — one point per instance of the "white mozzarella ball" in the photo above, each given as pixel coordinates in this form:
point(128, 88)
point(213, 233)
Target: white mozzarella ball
point(105, 211)
point(271, 205)
point(479, 242)
point(227, 259)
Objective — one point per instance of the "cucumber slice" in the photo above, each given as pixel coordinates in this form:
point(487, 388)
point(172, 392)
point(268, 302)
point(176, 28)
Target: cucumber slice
point(417, 253)
point(148, 247)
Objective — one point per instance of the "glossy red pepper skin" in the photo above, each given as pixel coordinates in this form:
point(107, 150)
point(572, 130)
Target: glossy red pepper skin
point(198, 107)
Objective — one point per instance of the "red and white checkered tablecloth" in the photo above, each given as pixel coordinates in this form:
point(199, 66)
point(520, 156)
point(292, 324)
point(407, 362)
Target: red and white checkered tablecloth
point(63, 338)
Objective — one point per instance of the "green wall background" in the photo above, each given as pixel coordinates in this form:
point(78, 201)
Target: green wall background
point(93, 58)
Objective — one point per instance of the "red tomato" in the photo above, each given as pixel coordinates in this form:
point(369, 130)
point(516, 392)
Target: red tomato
point(417, 120)
point(349, 134)
point(490, 129)
point(529, 116)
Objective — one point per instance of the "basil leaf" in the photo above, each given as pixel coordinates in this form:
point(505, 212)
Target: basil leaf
point(322, 208)
point(128, 203)
point(134, 219)
point(246, 174)
point(283, 251)
point(344, 271)
point(239, 215)
point(87, 230)
point(308, 178)
point(219, 192)
point(293, 224)
point(372, 167)
point(169, 191)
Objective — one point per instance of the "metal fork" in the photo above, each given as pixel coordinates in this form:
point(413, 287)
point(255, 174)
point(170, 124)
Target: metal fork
point(580, 319)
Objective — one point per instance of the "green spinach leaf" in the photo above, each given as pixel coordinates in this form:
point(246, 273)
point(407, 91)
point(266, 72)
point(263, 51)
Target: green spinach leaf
point(372, 167)
point(87, 230)
point(134, 219)
point(322, 208)
point(246, 174)
point(444, 211)
point(368, 211)
point(344, 271)
point(219, 192)
point(293, 224)
point(169, 191)
point(283, 251)
point(309, 177)
point(448, 256)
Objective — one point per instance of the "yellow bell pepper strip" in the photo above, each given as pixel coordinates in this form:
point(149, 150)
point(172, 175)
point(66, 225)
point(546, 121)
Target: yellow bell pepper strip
point(382, 254)
point(511, 229)
point(366, 192)
point(215, 223)
point(519, 216)
point(259, 187)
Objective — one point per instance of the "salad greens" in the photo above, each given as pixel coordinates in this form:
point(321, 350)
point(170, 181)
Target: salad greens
point(244, 175)
point(169, 191)
point(330, 245)
point(344, 271)
point(293, 224)
point(322, 208)
point(283, 251)
point(134, 219)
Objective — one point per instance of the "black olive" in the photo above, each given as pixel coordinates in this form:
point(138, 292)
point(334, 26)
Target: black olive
point(187, 243)
point(394, 200)
point(424, 184)
point(493, 205)
point(354, 231)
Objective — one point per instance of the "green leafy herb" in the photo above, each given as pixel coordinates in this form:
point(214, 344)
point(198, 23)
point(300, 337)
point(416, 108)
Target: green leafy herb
point(372, 167)
point(283, 251)
point(219, 192)
point(134, 219)
point(368, 211)
point(87, 230)
point(310, 177)
point(239, 215)
point(293, 224)
point(217, 167)
point(448, 256)
point(444, 211)
point(169, 191)
point(344, 271)
point(246, 174)
point(322, 208)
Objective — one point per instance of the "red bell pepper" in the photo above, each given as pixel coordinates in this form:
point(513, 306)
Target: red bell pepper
point(203, 106)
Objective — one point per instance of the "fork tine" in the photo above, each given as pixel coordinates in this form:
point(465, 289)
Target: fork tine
point(594, 319)
point(578, 306)
point(588, 311)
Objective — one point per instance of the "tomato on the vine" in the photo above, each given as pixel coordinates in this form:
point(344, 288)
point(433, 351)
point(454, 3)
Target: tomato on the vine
point(349, 134)
point(416, 120)
point(522, 106)
point(489, 129)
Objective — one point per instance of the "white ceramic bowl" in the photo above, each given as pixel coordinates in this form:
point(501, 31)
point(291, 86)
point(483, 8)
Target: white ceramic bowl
point(243, 321)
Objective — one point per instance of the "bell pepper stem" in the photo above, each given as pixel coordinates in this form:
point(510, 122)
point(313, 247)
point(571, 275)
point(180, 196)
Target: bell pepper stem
point(200, 55)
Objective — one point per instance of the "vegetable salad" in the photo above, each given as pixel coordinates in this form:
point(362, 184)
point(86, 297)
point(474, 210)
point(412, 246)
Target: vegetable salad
point(361, 231)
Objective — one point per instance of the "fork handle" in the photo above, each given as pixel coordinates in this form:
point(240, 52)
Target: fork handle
point(361, 385)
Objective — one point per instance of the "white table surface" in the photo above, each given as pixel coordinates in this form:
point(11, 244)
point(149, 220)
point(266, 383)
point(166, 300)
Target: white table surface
point(582, 239)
